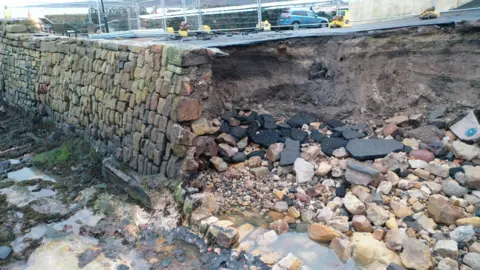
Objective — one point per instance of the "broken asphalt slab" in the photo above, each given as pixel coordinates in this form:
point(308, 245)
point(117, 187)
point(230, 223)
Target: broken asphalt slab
point(372, 148)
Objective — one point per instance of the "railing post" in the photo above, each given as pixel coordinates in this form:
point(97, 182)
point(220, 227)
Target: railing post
point(99, 17)
point(259, 13)
point(199, 18)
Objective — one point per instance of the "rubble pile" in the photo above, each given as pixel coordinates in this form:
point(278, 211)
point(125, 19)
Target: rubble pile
point(403, 192)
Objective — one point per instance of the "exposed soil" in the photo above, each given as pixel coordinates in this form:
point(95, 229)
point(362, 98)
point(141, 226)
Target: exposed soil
point(360, 75)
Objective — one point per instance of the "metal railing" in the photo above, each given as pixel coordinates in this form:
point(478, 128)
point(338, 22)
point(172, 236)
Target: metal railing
point(249, 15)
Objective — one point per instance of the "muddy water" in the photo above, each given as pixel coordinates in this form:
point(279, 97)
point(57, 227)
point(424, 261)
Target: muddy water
point(313, 254)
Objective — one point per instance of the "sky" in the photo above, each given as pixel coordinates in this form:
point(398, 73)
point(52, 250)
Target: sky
point(22, 3)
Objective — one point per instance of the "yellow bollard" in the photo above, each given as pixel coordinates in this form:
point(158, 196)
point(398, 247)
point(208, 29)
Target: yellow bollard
point(206, 29)
point(183, 33)
point(267, 26)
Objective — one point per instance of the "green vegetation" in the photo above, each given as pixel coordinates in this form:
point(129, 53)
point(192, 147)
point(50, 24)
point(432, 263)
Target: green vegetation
point(57, 155)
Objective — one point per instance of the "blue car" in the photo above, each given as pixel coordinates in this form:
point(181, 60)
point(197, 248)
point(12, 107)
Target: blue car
point(297, 18)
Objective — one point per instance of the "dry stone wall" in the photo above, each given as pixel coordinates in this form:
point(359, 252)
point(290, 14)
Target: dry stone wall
point(136, 101)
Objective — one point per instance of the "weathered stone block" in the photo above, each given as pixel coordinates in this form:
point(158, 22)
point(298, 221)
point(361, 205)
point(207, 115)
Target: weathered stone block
point(186, 109)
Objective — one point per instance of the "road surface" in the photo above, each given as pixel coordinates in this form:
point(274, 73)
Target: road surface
point(236, 40)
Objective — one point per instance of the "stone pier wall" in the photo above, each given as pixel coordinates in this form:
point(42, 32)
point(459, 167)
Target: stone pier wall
point(133, 100)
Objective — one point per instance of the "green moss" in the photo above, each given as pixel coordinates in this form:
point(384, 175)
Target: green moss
point(32, 218)
point(6, 235)
point(57, 155)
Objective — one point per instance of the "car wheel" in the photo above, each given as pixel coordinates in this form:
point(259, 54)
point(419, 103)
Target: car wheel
point(296, 25)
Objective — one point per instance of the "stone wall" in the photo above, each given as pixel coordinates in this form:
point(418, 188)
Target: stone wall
point(135, 101)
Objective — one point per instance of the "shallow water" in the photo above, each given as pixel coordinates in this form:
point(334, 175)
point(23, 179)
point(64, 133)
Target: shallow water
point(21, 196)
point(315, 255)
point(28, 174)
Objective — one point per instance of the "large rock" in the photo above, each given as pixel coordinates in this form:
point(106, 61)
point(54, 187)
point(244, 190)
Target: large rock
point(274, 151)
point(219, 164)
point(265, 137)
point(331, 144)
point(322, 233)
point(360, 174)
point(400, 210)
point(289, 262)
point(474, 221)
point(367, 250)
point(290, 152)
point(463, 234)
point(226, 150)
point(395, 161)
point(416, 255)
point(473, 260)
point(224, 233)
point(339, 223)
point(376, 214)
point(353, 204)
point(5, 252)
point(472, 175)
point(446, 248)
point(304, 170)
point(323, 169)
point(394, 239)
point(447, 264)
point(465, 151)
point(372, 148)
point(452, 188)
point(361, 224)
point(279, 226)
point(422, 154)
point(426, 134)
point(437, 170)
point(342, 247)
point(442, 211)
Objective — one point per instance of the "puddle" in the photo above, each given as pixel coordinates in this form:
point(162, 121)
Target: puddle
point(28, 174)
point(73, 223)
point(59, 229)
point(21, 196)
point(313, 254)
point(14, 161)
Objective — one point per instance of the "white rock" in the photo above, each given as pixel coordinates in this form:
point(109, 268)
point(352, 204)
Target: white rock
point(463, 233)
point(289, 262)
point(340, 153)
point(385, 187)
point(353, 204)
point(304, 170)
point(325, 214)
point(447, 248)
point(417, 163)
point(472, 259)
point(323, 169)
point(465, 151)
point(447, 264)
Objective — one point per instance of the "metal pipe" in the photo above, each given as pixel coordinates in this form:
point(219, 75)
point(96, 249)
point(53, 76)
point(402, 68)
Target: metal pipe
point(162, 5)
point(199, 18)
point(138, 16)
point(105, 17)
point(259, 13)
point(129, 19)
point(99, 18)
point(184, 11)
